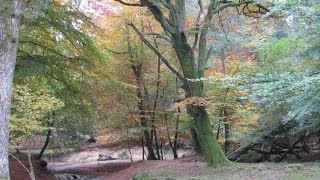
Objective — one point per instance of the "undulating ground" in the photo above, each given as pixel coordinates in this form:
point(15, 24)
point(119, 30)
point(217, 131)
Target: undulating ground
point(187, 169)
point(190, 168)
point(84, 165)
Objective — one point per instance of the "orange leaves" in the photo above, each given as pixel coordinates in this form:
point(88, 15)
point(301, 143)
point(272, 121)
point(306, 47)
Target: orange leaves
point(244, 64)
point(234, 65)
point(211, 40)
point(190, 22)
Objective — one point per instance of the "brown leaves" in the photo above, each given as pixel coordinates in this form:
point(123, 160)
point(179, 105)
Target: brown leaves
point(195, 101)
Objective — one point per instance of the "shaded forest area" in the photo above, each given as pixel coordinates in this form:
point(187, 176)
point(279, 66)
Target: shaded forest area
point(146, 89)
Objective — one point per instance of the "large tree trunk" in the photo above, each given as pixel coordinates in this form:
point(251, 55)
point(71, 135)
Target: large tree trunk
point(210, 146)
point(9, 38)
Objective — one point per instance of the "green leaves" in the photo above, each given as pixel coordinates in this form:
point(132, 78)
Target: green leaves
point(30, 111)
point(274, 52)
point(58, 61)
point(294, 95)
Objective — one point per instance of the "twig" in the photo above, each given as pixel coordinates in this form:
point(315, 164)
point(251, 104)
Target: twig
point(21, 164)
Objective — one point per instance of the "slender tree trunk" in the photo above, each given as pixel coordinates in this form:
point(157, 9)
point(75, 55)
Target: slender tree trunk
point(227, 129)
point(156, 142)
point(174, 145)
point(49, 131)
point(9, 38)
point(142, 112)
point(142, 145)
point(153, 113)
point(176, 133)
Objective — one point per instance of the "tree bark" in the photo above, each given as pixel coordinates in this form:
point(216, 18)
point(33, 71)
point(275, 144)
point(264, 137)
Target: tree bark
point(195, 140)
point(9, 38)
point(209, 144)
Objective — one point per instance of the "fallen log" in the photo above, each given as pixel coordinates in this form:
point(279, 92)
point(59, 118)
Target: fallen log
point(291, 150)
point(86, 168)
point(235, 155)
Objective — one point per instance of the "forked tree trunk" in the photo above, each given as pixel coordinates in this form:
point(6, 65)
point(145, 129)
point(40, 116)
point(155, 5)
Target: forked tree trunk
point(209, 144)
point(9, 38)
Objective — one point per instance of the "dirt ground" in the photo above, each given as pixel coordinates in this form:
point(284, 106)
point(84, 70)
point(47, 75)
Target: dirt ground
point(184, 168)
point(84, 165)
point(18, 172)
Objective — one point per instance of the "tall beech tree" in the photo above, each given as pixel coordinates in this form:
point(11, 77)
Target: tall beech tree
point(9, 37)
point(192, 56)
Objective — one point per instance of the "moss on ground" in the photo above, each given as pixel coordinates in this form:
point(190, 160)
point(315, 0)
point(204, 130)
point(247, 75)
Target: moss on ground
point(239, 171)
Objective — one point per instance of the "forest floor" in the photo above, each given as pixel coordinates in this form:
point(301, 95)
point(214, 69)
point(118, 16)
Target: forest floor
point(186, 168)
point(189, 169)
point(84, 165)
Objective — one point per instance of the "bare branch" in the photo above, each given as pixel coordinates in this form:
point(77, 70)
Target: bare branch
point(166, 24)
point(254, 13)
point(116, 52)
point(21, 164)
point(161, 37)
point(209, 53)
point(130, 4)
point(163, 59)
point(233, 4)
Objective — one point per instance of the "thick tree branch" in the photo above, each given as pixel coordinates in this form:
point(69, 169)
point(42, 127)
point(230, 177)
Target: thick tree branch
point(163, 59)
point(196, 36)
point(158, 14)
point(156, 11)
point(209, 53)
point(203, 36)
